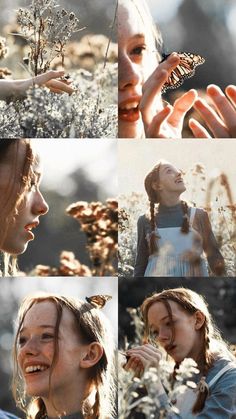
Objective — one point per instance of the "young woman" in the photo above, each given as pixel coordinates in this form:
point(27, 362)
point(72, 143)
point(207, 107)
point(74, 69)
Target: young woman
point(178, 320)
point(22, 203)
point(63, 357)
point(17, 88)
point(172, 239)
point(142, 75)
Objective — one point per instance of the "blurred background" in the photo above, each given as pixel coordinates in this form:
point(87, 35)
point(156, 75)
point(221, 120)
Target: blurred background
point(219, 293)
point(73, 170)
point(202, 27)
point(15, 289)
point(85, 49)
point(184, 155)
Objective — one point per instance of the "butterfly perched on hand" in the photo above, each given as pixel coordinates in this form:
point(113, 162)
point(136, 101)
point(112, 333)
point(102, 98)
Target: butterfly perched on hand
point(98, 301)
point(184, 70)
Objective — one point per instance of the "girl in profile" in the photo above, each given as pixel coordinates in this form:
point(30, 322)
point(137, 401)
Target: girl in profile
point(64, 359)
point(174, 238)
point(22, 203)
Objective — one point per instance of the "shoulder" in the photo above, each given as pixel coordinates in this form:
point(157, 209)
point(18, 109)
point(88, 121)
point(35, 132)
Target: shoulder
point(225, 370)
point(7, 415)
point(143, 220)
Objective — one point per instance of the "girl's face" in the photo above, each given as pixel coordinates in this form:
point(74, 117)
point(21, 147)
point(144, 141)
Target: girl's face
point(31, 207)
point(137, 60)
point(36, 351)
point(186, 338)
point(170, 179)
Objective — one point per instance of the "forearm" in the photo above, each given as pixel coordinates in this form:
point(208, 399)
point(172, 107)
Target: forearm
point(11, 88)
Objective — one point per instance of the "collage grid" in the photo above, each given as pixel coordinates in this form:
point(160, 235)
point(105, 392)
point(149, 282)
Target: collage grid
point(117, 209)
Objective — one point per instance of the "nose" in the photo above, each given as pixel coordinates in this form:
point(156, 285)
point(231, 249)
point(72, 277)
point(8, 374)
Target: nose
point(163, 337)
point(40, 206)
point(30, 347)
point(129, 74)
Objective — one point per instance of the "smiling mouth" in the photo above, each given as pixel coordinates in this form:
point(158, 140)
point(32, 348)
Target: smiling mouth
point(129, 111)
point(32, 369)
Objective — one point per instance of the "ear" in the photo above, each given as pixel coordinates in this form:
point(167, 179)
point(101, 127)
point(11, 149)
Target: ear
point(199, 319)
point(91, 355)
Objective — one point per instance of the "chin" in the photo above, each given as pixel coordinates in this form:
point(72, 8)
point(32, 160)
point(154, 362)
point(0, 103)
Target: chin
point(15, 250)
point(130, 130)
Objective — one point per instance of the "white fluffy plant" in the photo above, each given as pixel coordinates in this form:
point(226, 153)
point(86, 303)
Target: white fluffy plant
point(47, 28)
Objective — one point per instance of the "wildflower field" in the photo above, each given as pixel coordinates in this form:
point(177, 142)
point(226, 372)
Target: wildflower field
point(44, 37)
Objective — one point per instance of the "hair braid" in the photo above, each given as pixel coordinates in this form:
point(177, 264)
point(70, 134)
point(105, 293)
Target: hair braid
point(185, 223)
point(207, 362)
point(152, 238)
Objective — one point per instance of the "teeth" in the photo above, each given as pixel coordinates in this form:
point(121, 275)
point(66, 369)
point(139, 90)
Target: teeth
point(33, 368)
point(130, 105)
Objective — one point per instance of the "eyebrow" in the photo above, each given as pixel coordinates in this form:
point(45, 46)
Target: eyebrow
point(166, 168)
point(138, 36)
point(41, 326)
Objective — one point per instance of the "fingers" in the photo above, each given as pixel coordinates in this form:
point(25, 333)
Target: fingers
point(231, 93)
point(147, 354)
point(152, 87)
point(154, 129)
point(211, 118)
point(44, 78)
point(197, 129)
point(225, 108)
point(58, 86)
point(134, 364)
point(181, 107)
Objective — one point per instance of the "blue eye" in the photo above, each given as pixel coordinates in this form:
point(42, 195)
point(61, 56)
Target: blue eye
point(138, 50)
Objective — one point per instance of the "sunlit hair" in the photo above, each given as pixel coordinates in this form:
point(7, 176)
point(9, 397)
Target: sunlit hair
point(91, 326)
point(16, 184)
point(154, 200)
point(145, 14)
point(211, 344)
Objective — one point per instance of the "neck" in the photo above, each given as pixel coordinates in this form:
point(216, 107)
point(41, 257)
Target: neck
point(170, 200)
point(60, 405)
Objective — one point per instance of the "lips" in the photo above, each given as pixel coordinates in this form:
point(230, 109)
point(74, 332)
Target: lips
point(32, 368)
point(29, 227)
point(129, 109)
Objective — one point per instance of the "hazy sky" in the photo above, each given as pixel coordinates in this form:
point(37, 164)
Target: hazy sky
point(61, 157)
point(136, 159)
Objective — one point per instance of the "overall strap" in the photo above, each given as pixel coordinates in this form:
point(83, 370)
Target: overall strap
point(192, 215)
point(219, 374)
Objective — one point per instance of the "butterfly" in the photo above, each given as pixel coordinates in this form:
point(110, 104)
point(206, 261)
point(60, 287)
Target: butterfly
point(98, 301)
point(184, 70)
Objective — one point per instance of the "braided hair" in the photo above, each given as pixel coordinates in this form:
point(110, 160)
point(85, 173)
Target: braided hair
point(154, 198)
point(212, 342)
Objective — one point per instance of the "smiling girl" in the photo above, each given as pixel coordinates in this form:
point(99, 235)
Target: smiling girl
point(142, 76)
point(172, 239)
point(63, 359)
point(22, 203)
point(178, 321)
